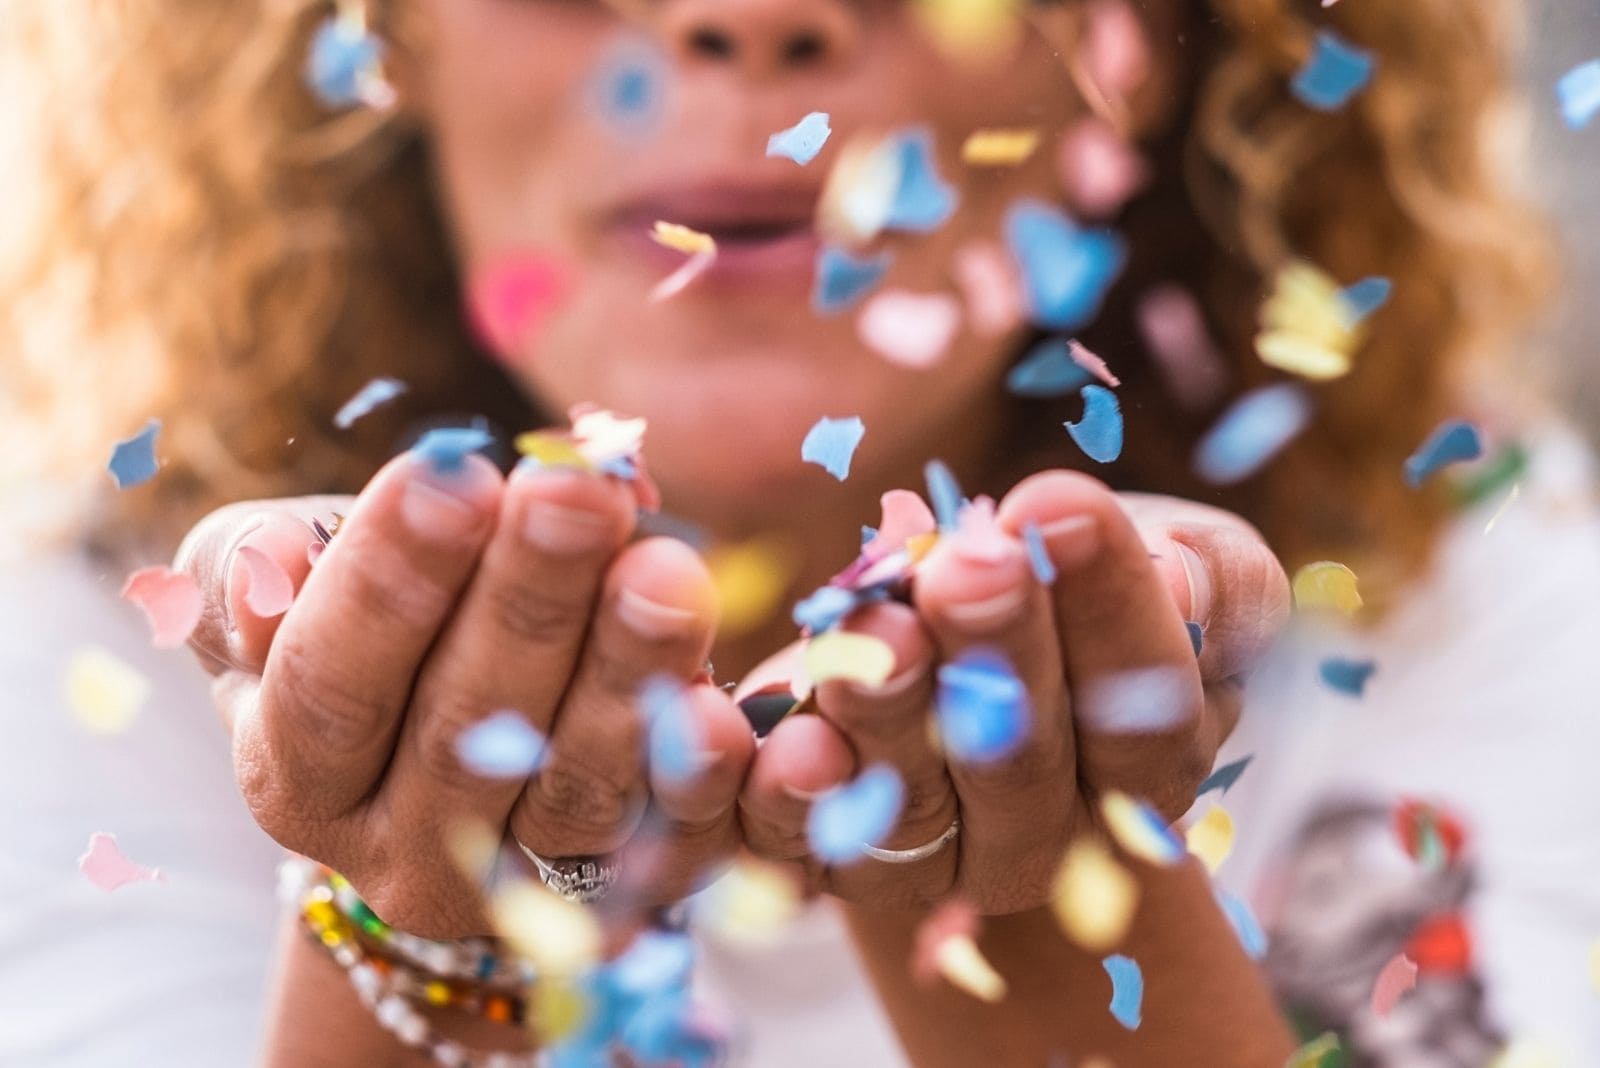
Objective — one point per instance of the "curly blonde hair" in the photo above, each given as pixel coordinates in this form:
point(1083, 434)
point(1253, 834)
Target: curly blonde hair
point(211, 247)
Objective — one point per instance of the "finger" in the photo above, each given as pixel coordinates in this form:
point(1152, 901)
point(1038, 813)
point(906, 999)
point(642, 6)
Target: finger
point(1137, 701)
point(656, 616)
point(890, 725)
point(514, 640)
point(230, 634)
point(803, 756)
point(1015, 809)
point(346, 656)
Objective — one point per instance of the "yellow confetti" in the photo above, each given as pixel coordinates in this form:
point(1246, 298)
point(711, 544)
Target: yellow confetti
point(1211, 837)
point(970, 29)
point(557, 1008)
point(1139, 830)
point(860, 191)
point(551, 450)
point(963, 965)
point(104, 692)
point(751, 579)
point(1302, 356)
point(1094, 897)
point(1526, 1053)
point(999, 148)
point(858, 658)
point(683, 239)
point(1326, 585)
point(1310, 1055)
point(750, 904)
point(1594, 967)
point(561, 937)
point(1308, 327)
point(474, 848)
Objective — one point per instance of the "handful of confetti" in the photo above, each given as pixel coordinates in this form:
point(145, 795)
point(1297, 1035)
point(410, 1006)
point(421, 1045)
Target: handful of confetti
point(598, 442)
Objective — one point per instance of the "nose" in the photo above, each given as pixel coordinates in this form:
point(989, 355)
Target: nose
point(762, 38)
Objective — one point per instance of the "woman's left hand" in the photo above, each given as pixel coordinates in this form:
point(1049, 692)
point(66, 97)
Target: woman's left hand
point(1131, 570)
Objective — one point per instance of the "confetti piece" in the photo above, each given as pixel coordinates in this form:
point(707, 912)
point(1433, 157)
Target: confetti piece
point(1505, 506)
point(750, 579)
point(1066, 270)
point(445, 449)
point(991, 288)
point(982, 707)
point(561, 937)
point(831, 444)
point(1139, 829)
point(909, 329)
point(979, 535)
point(1308, 328)
point(946, 945)
point(108, 869)
point(859, 658)
point(1594, 967)
point(1302, 357)
point(628, 87)
point(1335, 72)
point(1311, 1054)
point(508, 300)
point(104, 693)
point(1197, 636)
point(1099, 170)
point(1142, 701)
point(944, 493)
point(1093, 896)
point(1347, 676)
point(1326, 585)
point(1048, 370)
point(1251, 432)
point(1579, 93)
point(1127, 989)
point(684, 276)
point(133, 462)
point(1092, 363)
point(1527, 1053)
point(922, 201)
point(268, 590)
point(1173, 327)
point(749, 905)
point(1099, 432)
point(1244, 923)
point(843, 279)
point(676, 748)
point(823, 610)
point(999, 147)
point(170, 601)
point(802, 141)
point(502, 746)
point(1454, 441)
point(970, 30)
point(682, 238)
point(905, 516)
point(345, 65)
point(1116, 51)
point(373, 395)
point(1211, 837)
point(1394, 979)
point(1044, 569)
point(856, 814)
point(1224, 777)
point(1367, 296)
point(860, 191)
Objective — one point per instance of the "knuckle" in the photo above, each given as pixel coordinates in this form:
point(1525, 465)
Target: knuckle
point(532, 615)
point(617, 668)
point(1029, 766)
point(329, 706)
point(584, 804)
point(384, 582)
point(442, 724)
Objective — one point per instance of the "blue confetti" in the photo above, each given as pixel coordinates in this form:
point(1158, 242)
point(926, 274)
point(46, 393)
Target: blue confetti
point(1099, 432)
point(922, 201)
point(867, 534)
point(1197, 636)
point(831, 444)
point(1224, 777)
point(1251, 432)
point(1579, 93)
point(1048, 371)
point(1367, 295)
point(802, 141)
point(674, 741)
point(1347, 676)
point(628, 88)
point(944, 493)
point(654, 962)
point(343, 56)
point(843, 279)
point(1044, 569)
point(1453, 441)
point(823, 610)
point(1127, 989)
point(1336, 71)
point(982, 707)
point(1066, 270)
point(378, 392)
point(445, 449)
point(503, 746)
point(134, 461)
point(1244, 923)
point(858, 813)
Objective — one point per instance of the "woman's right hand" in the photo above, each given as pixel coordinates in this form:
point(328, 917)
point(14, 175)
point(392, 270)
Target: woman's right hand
point(445, 598)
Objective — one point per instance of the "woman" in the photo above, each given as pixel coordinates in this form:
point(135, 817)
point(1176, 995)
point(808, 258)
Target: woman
point(312, 253)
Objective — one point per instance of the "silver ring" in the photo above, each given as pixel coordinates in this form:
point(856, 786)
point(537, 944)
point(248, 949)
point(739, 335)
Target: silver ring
point(921, 852)
point(581, 879)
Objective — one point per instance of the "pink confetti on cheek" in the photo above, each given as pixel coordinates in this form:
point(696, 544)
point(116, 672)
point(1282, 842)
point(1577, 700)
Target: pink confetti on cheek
point(1175, 332)
point(108, 869)
point(992, 288)
point(909, 329)
point(268, 590)
point(1099, 170)
point(1115, 51)
point(509, 300)
point(170, 600)
point(1092, 363)
point(1394, 980)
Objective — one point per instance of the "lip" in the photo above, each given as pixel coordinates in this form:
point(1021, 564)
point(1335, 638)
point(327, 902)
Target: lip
point(765, 233)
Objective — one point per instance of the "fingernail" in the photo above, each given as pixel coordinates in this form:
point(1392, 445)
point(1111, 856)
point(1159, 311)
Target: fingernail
point(991, 612)
point(892, 687)
point(436, 507)
point(1073, 540)
point(652, 620)
point(1199, 579)
point(803, 796)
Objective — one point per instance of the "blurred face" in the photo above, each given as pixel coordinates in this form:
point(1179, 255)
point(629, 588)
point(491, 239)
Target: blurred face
point(732, 371)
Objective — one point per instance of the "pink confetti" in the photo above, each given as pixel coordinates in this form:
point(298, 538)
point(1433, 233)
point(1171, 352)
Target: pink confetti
point(953, 919)
point(1115, 50)
point(909, 329)
point(992, 288)
point(108, 869)
point(509, 300)
point(684, 276)
point(1396, 977)
point(268, 591)
point(978, 536)
point(1099, 170)
point(170, 600)
point(905, 515)
point(1092, 363)
point(1174, 329)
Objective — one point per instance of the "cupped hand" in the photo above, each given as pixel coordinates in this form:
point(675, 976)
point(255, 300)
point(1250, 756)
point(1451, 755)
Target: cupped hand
point(1119, 700)
point(447, 597)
